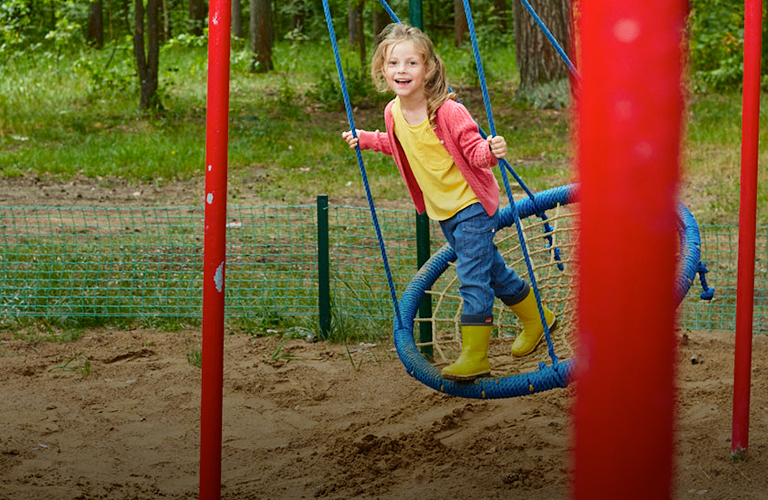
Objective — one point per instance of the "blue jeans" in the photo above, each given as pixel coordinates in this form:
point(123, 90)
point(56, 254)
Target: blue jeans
point(481, 269)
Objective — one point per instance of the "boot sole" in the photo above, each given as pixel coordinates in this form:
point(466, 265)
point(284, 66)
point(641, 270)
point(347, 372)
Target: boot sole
point(465, 378)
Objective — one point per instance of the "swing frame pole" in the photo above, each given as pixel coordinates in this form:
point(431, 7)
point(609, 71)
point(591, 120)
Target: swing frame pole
point(214, 256)
point(630, 129)
point(745, 281)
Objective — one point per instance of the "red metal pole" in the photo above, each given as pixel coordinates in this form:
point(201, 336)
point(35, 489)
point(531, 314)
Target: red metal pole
point(630, 127)
point(745, 287)
point(217, 138)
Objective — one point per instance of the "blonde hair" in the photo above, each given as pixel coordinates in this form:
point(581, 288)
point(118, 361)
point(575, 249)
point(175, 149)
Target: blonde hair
point(435, 84)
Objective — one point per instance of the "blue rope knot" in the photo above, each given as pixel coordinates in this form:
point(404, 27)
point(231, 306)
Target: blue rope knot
point(708, 292)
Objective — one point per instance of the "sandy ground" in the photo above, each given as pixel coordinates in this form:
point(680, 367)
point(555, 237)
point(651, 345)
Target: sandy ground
point(115, 415)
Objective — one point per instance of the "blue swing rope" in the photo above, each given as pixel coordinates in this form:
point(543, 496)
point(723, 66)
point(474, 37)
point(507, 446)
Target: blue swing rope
point(518, 225)
point(351, 119)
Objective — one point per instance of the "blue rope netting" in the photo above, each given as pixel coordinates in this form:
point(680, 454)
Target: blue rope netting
point(559, 374)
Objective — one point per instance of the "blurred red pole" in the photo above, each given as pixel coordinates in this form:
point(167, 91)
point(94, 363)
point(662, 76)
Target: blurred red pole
point(217, 138)
point(630, 126)
point(745, 287)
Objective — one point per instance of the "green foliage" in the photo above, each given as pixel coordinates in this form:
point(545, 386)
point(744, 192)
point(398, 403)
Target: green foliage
point(301, 19)
point(550, 95)
point(187, 41)
point(271, 321)
point(362, 92)
point(108, 75)
point(66, 33)
point(14, 27)
point(716, 44)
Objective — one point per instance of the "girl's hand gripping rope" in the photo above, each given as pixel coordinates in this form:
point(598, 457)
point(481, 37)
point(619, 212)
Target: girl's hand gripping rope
point(498, 146)
point(351, 139)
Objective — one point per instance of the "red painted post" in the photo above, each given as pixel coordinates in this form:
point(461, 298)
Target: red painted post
point(629, 132)
point(217, 138)
point(745, 286)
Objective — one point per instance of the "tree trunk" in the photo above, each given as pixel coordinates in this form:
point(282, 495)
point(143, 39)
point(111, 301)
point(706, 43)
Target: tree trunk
point(261, 36)
point(380, 20)
point(500, 11)
point(237, 19)
point(537, 60)
point(460, 26)
point(166, 21)
point(95, 35)
point(198, 11)
point(125, 15)
point(355, 25)
point(147, 63)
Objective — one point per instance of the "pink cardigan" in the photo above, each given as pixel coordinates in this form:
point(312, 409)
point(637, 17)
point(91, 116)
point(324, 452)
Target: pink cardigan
point(459, 134)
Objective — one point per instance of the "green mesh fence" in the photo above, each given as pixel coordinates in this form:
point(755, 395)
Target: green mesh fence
point(100, 262)
point(720, 254)
point(147, 263)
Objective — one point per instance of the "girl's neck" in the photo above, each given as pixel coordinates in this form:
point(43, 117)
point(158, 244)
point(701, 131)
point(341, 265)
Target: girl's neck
point(414, 109)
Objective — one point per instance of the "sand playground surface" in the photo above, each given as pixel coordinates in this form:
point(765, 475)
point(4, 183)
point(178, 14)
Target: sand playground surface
point(115, 415)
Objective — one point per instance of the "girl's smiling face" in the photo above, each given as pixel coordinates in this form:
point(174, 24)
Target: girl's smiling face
point(404, 70)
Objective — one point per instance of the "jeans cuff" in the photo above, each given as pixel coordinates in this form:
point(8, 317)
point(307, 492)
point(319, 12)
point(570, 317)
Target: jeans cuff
point(476, 319)
point(510, 301)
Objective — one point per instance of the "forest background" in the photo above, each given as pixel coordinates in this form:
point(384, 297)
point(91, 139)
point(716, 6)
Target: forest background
point(117, 88)
point(75, 102)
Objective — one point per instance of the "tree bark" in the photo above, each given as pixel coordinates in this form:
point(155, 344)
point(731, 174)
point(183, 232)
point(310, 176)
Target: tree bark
point(95, 35)
point(537, 60)
point(380, 20)
point(261, 36)
point(147, 63)
point(166, 21)
point(237, 19)
point(500, 11)
point(355, 27)
point(460, 26)
point(198, 11)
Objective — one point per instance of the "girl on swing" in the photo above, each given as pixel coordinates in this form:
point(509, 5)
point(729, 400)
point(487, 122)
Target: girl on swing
point(446, 165)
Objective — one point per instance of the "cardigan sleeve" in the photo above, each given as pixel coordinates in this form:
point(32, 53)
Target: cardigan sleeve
point(377, 141)
point(464, 130)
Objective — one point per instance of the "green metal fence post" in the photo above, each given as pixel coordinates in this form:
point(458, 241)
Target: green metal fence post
point(415, 14)
point(323, 267)
point(423, 250)
point(423, 253)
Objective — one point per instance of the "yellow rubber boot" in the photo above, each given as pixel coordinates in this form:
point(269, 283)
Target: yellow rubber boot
point(533, 331)
point(473, 360)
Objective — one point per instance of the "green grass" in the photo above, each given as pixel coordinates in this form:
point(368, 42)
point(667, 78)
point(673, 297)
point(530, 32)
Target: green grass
point(712, 163)
point(42, 329)
point(79, 363)
point(194, 353)
point(74, 117)
point(67, 121)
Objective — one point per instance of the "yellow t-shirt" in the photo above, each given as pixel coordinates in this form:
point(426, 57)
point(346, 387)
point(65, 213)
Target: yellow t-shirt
point(445, 190)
